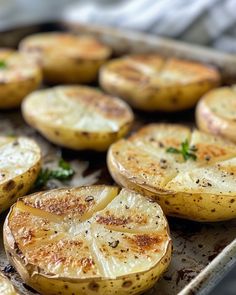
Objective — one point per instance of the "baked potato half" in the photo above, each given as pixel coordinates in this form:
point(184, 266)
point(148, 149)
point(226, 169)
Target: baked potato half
point(6, 287)
point(190, 174)
point(154, 83)
point(77, 117)
point(216, 112)
point(88, 240)
point(66, 58)
point(20, 162)
point(19, 75)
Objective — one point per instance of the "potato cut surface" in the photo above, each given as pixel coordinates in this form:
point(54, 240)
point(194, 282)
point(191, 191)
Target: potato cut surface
point(65, 44)
point(216, 112)
point(66, 58)
point(150, 162)
point(79, 238)
point(6, 288)
point(152, 82)
point(77, 117)
point(19, 166)
point(19, 75)
point(16, 67)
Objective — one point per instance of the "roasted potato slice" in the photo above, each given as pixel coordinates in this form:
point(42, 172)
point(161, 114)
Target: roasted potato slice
point(191, 174)
point(216, 112)
point(66, 58)
point(154, 83)
point(20, 161)
point(19, 75)
point(6, 287)
point(77, 241)
point(77, 117)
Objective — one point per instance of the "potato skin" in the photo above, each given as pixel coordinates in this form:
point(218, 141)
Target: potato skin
point(66, 58)
point(211, 122)
point(52, 285)
point(155, 91)
point(201, 207)
point(49, 284)
point(197, 207)
point(78, 139)
point(12, 189)
point(15, 82)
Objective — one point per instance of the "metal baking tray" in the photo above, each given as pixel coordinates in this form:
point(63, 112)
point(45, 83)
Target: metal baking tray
point(202, 252)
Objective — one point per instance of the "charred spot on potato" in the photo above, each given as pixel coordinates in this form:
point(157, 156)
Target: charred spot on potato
point(12, 196)
point(20, 186)
point(145, 242)
point(93, 286)
point(174, 100)
point(127, 284)
point(10, 185)
point(15, 143)
point(114, 244)
point(89, 199)
point(112, 220)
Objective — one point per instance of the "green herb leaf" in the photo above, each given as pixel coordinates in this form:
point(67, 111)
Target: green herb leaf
point(185, 150)
point(62, 173)
point(3, 64)
point(173, 150)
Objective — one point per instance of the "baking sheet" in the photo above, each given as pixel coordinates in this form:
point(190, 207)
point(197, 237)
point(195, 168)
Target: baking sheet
point(202, 252)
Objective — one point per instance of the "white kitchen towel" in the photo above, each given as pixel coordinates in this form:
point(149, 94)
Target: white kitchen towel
point(207, 22)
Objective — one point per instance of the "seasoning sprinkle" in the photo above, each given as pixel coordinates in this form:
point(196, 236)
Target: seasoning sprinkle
point(89, 198)
point(114, 244)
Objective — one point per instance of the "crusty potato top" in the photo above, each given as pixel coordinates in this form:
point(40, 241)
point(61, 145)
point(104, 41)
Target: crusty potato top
point(222, 102)
point(151, 158)
point(16, 67)
point(82, 233)
point(66, 45)
point(78, 108)
point(154, 70)
point(6, 288)
point(17, 155)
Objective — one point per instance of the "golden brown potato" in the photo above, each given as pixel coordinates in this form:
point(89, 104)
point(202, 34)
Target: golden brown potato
point(191, 174)
point(6, 287)
point(153, 83)
point(66, 58)
point(88, 240)
point(19, 76)
point(20, 161)
point(78, 117)
point(216, 112)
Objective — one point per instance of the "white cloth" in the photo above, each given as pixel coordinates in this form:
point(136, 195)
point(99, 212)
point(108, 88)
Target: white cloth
point(207, 22)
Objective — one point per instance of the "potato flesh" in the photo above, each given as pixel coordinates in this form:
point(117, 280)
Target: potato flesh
point(222, 102)
point(151, 82)
point(18, 67)
point(16, 157)
point(66, 45)
point(6, 287)
point(143, 163)
point(20, 161)
point(72, 248)
point(79, 109)
point(215, 112)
